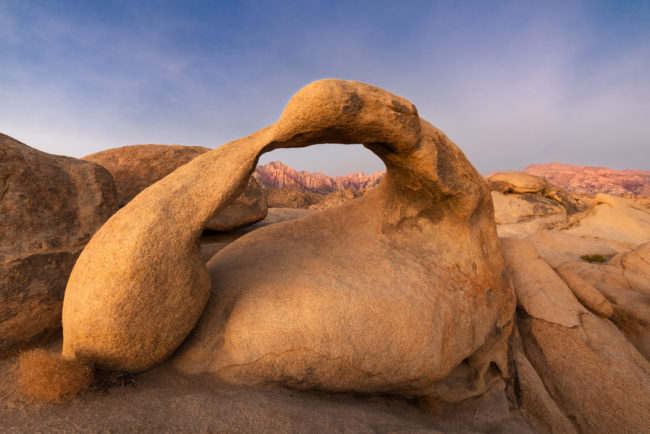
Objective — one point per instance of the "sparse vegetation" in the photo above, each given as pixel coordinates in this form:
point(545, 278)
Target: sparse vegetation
point(48, 377)
point(597, 257)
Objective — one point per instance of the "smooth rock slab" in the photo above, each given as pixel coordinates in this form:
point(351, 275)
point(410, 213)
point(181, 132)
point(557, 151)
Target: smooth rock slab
point(613, 218)
point(556, 247)
point(589, 296)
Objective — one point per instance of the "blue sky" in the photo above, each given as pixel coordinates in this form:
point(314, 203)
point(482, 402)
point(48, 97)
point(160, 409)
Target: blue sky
point(512, 83)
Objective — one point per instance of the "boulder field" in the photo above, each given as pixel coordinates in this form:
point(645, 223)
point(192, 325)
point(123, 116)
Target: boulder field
point(395, 309)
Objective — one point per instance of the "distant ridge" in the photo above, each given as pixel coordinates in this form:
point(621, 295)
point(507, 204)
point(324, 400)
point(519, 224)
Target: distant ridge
point(279, 175)
point(591, 180)
point(578, 179)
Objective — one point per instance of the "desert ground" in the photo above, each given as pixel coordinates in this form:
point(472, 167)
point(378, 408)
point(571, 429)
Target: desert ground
point(189, 290)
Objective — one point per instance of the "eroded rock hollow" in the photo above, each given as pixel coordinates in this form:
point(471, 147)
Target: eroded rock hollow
point(391, 292)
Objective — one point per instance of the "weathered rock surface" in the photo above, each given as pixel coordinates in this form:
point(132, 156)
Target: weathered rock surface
point(613, 218)
point(311, 329)
point(136, 167)
point(337, 198)
point(212, 242)
point(540, 291)
point(406, 284)
point(593, 374)
point(631, 307)
point(290, 198)
point(524, 183)
point(589, 296)
point(636, 267)
point(524, 204)
point(518, 215)
point(248, 208)
point(556, 248)
point(50, 206)
point(537, 405)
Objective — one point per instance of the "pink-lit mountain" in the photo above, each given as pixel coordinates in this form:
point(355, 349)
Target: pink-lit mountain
point(279, 175)
point(579, 179)
point(591, 180)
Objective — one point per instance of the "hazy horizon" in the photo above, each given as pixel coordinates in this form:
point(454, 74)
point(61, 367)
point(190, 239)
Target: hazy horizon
point(511, 83)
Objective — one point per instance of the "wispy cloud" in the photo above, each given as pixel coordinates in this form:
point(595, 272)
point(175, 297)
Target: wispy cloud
point(512, 83)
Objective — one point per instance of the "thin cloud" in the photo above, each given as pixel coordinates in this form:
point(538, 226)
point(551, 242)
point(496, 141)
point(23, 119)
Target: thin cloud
point(511, 83)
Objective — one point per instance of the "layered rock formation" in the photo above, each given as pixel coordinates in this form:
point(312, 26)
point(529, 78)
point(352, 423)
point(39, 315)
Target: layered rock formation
point(524, 203)
point(278, 175)
point(593, 180)
point(136, 167)
point(50, 206)
point(589, 371)
point(417, 258)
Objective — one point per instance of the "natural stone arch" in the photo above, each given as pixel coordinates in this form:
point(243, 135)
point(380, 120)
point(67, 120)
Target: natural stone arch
point(140, 286)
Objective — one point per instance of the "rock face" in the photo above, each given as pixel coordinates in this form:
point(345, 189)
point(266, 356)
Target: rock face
point(337, 198)
point(404, 287)
point(522, 183)
point(50, 206)
point(624, 282)
point(248, 208)
point(278, 175)
point(524, 204)
point(589, 296)
point(636, 267)
point(289, 198)
point(613, 218)
point(589, 369)
point(557, 248)
point(592, 180)
point(136, 167)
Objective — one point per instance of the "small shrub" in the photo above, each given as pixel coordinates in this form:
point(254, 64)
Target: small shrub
point(597, 257)
point(48, 377)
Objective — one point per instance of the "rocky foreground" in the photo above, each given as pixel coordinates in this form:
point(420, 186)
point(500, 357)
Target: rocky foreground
point(435, 301)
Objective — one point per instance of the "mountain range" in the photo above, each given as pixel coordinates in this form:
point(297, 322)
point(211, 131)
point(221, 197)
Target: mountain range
point(578, 179)
point(591, 180)
point(279, 175)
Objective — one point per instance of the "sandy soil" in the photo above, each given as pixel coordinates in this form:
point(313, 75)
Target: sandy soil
point(161, 400)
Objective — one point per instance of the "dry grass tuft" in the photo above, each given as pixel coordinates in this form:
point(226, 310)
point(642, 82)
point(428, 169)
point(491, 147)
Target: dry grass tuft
point(47, 377)
point(597, 257)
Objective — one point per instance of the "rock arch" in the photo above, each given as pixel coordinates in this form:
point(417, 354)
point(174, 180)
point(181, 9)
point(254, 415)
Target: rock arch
point(389, 293)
